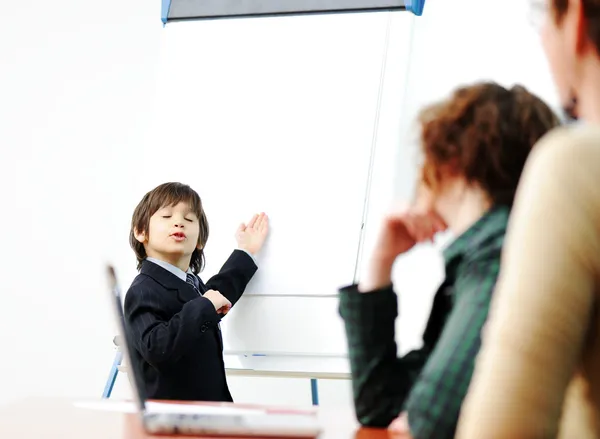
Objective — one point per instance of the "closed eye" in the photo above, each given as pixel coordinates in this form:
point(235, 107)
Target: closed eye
point(166, 216)
point(190, 220)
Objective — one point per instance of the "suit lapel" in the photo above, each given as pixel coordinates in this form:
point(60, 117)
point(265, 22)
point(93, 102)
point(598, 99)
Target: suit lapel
point(169, 281)
point(186, 293)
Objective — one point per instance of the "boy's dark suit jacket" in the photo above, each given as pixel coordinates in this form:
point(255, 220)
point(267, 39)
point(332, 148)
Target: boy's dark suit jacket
point(176, 334)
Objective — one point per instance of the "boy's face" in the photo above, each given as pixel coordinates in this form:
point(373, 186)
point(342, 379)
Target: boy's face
point(172, 235)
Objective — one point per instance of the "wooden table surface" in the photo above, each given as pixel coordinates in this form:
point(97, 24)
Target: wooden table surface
point(52, 418)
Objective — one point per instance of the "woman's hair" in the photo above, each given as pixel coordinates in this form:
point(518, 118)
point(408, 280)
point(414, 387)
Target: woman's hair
point(483, 132)
point(591, 12)
point(168, 194)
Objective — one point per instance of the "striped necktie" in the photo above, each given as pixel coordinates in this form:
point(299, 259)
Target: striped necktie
point(193, 281)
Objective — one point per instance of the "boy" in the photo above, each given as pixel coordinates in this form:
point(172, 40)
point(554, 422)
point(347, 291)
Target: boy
point(171, 316)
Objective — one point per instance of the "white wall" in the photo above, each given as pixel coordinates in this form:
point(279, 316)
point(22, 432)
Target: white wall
point(76, 92)
point(76, 116)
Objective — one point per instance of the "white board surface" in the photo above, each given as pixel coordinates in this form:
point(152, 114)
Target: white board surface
point(275, 115)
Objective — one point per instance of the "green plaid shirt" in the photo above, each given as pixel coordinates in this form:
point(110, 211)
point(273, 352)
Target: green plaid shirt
point(429, 383)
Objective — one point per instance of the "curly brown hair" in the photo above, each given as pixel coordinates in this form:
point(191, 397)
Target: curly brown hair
point(168, 194)
point(591, 12)
point(483, 132)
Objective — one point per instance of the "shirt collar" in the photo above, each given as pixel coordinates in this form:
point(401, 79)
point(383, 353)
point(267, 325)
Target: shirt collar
point(171, 268)
point(491, 224)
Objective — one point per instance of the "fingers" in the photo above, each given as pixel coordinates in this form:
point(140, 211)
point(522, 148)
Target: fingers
point(415, 226)
point(220, 302)
point(400, 424)
point(440, 223)
point(422, 227)
point(437, 221)
point(241, 228)
point(225, 306)
point(396, 426)
point(225, 303)
point(224, 309)
point(252, 222)
point(259, 222)
point(262, 224)
point(421, 224)
point(429, 228)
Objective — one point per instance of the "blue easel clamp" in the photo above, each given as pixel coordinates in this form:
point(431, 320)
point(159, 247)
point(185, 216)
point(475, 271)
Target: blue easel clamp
point(164, 13)
point(415, 6)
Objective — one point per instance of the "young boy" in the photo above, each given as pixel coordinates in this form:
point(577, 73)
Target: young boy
point(171, 316)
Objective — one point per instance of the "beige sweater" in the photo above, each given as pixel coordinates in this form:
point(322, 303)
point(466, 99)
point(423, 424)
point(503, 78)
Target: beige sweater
point(538, 372)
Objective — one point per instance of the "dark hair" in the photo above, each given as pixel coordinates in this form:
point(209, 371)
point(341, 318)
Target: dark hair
point(591, 12)
point(168, 194)
point(483, 132)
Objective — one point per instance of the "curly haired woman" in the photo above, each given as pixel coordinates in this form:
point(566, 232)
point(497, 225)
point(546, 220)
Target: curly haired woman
point(475, 145)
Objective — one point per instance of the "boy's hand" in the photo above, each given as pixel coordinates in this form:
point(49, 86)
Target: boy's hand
point(251, 237)
point(220, 302)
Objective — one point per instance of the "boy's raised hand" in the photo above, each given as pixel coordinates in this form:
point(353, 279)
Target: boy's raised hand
point(251, 237)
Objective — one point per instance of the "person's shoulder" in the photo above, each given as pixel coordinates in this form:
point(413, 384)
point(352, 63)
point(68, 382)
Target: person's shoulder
point(565, 162)
point(142, 285)
point(143, 290)
point(568, 149)
point(562, 176)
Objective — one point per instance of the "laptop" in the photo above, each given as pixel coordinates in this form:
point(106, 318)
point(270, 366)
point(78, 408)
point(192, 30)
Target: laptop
point(211, 419)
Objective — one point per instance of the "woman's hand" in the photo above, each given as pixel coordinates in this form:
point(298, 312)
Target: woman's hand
point(401, 231)
point(399, 426)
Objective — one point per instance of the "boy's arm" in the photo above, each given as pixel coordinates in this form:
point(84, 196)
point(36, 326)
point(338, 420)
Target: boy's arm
point(160, 340)
point(380, 380)
point(434, 402)
point(233, 277)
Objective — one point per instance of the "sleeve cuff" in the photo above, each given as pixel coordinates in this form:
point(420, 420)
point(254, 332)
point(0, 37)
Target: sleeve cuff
point(249, 254)
point(208, 314)
point(353, 289)
point(368, 309)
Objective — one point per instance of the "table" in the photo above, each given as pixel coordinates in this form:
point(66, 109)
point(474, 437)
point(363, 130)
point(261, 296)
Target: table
point(56, 418)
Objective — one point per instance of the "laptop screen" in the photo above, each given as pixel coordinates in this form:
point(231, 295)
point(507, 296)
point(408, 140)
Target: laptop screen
point(125, 340)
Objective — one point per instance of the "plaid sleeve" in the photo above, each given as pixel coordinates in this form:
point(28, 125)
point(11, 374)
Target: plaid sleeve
point(380, 380)
point(434, 402)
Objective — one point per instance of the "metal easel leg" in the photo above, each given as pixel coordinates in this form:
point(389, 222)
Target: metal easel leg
point(112, 376)
point(314, 391)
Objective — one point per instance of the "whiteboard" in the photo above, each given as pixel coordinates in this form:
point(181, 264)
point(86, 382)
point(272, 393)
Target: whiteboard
point(274, 115)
